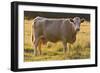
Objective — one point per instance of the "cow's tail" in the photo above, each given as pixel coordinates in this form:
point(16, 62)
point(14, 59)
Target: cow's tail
point(32, 38)
point(33, 27)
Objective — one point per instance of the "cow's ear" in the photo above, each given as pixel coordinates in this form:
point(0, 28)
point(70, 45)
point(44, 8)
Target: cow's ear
point(71, 20)
point(82, 20)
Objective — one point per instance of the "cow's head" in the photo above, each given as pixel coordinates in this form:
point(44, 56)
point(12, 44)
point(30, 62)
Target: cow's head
point(77, 21)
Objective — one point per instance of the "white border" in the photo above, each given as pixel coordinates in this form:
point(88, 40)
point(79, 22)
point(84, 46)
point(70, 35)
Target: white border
point(22, 64)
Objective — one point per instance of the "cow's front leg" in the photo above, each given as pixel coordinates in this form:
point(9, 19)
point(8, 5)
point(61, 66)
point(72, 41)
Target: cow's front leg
point(65, 47)
point(66, 50)
point(69, 49)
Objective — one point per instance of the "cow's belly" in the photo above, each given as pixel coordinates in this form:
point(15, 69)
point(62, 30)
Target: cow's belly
point(52, 38)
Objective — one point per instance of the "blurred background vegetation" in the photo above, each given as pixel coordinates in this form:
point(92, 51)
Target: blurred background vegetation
point(31, 15)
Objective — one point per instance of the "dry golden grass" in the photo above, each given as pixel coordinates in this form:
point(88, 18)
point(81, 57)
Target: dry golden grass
point(79, 50)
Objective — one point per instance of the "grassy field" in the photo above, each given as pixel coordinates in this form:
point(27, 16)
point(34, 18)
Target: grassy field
point(79, 50)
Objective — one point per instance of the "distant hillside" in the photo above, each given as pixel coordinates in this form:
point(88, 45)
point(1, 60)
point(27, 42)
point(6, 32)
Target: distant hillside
point(32, 15)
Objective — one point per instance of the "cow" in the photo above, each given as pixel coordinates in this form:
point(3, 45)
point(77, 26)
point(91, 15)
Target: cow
point(54, 30)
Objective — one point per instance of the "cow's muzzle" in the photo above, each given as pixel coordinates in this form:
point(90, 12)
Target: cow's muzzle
point(77, 29)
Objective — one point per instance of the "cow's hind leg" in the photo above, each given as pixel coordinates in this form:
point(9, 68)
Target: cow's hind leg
point(39, 47)
point(36, 47)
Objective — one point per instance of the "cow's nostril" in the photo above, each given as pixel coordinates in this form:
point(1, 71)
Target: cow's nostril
point(78, 29)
